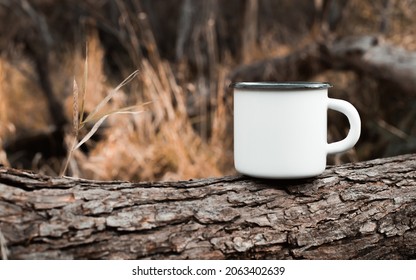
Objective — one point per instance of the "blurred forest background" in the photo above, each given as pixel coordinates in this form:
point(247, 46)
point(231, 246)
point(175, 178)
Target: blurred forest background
point(187, 52)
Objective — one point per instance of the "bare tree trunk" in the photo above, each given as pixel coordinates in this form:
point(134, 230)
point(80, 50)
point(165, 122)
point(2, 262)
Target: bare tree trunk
point(385, 16)
point(249, 32)
point(365, 210)
point(184, 27)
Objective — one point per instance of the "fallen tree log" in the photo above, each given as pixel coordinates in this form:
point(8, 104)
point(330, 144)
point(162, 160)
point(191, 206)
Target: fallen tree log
point(366, 55)
point(371, 55)
point(365, 210)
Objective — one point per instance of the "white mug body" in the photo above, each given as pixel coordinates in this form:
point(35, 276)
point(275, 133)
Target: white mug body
point(280, 130)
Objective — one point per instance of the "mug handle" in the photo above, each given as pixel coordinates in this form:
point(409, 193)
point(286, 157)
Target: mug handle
point(355, 126)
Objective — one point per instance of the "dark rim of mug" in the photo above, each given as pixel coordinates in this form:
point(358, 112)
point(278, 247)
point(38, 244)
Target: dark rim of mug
point(281, 86)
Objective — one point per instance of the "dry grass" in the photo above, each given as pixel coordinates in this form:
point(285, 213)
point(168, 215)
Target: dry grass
point(159, 144)
point(21, 103)
point(3, 117)
point(19, 93)
point(96, 118)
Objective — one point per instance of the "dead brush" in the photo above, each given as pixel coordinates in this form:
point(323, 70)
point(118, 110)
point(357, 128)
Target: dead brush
point(161, 143)
point(96, 117)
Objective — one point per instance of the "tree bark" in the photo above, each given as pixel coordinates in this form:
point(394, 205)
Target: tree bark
point(365, 210)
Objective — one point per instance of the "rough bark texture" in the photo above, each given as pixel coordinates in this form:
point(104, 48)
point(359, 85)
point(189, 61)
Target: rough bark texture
point(365, 210)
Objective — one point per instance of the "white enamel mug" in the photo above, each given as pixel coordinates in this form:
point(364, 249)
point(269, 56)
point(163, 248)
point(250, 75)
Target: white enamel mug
point(280, 129)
